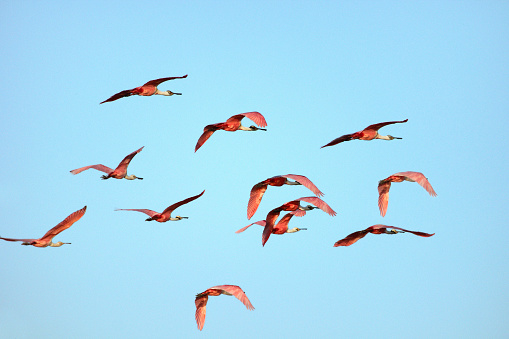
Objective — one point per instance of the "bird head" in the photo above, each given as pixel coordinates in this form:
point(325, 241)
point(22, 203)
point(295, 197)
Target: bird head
point(391, 137)
point(178, 217)
point(296, 229)
point(58, 244)
point(26, 243)
point(254, 128)
point(308, 208)
point(172, 93)
point(393, 231)
point(132, 177)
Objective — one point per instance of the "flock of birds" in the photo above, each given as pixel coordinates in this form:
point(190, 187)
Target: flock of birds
point(294, 207)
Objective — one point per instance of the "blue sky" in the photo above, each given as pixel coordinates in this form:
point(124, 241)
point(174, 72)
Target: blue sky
point(315, 71)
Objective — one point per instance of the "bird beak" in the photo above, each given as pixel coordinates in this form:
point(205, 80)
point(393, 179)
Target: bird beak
point(396, 138)
point(262, 129)
point(185, 217)
point(67, 243)
point(173, 93)
point(139, 178)
point(303, 229)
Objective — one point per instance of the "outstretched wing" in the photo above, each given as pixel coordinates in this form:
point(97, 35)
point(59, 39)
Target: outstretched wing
point(237, 292)
point(168, 210)
point(269, 224)
point(346, 137)
point(320, 204)
point(283, 222)
point(98, 167)
point(351, 238)
point(420, 179)
point(255, 198)
point(383, 196)
point(255, 116)
point(207, 133)
point(24, 240)
point(304, 181)
point(201, 310)
point(65, 224)
point(376, 127)
point(123, 94)
point(124, 163)
point(261, 223)
point(150, 213)
point(156, 82)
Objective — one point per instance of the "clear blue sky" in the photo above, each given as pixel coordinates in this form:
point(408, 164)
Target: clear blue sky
point(315, 71)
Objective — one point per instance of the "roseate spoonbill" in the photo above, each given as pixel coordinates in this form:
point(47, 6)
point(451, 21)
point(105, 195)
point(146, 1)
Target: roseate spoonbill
point(150, 88)
point(203, 297)
point(46, 239)
point(375, 229)
point(369, 133)
point(166, 215)
point(259, 189)
point(280, 228)
point(295, 208)
point(232, 125)
point(385, 184)
point(119, 173)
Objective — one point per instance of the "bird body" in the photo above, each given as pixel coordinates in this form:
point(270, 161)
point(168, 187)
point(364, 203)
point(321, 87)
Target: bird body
point(369, 133)
point(375, 229)
point(259, 189)
point(296, 209)
point(385, 184)
point(119, 173)
point(202, 298)
point(231, 125)
point(46, 239)
point(166, 214)
point(280, 228)
point(148, 89)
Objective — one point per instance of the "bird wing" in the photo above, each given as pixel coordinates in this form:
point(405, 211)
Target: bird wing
point(98, 167)
point(237, 292)
point(24, 240)
point(207, 133)
point(351, 238)
point(125, 93)
point(383, 198)
point(346, 137)
point(255, 198)
point(283, 222)
point(261, 223)
point(420, 179)
point(376, 127)
point(125, 162)
point(156, 82)
point(65, 224)
point(201, 310)
point(320, 204)
point(304, 181)
point(150, 213)
point(421, 234)
point(168, 210)
point(255, 116)
point(269, 226)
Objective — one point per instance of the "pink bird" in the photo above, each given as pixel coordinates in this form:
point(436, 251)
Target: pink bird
point(232, 125)
point(166, 215)
point(150, 88)
point(280, 228)
point(203, 297)
point(369, 133)
point(259, 189)
point(295, 208)
point(375, 229)
point(46, 239)
point(385, 184)
point(119, 173)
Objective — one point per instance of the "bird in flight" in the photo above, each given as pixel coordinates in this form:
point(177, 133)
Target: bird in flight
point(369, 133)
point(46, 240)
point(166, 214)
point(376, 229)
point(119, 173)
point(150, 88)
point(231, 125)
point(259, 189)
point(385, 184)
point(280, 228)
point(202, 298)
point(296, 209)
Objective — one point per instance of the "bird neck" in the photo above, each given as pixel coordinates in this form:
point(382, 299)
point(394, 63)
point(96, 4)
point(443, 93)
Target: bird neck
point(244, 128)
point(58, 244)
point(166, 93)
point(383, 137)
point(130, 177)
point(293, 230)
